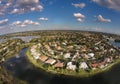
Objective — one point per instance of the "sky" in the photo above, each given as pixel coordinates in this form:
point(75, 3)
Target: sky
point(29, 15)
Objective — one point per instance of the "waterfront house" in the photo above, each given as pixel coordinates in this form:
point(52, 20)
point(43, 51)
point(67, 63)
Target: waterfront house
point(50, 61)
point(59, 64)
point(108, 59)
point(36, 57)
point(83, 65)
point(43, 58)
point(95, 65)
point(71, 66)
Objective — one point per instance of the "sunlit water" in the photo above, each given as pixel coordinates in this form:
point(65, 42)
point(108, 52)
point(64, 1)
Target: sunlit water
point(26, 38)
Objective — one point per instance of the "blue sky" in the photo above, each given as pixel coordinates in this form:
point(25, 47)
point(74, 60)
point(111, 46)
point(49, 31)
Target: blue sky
point(28, 15)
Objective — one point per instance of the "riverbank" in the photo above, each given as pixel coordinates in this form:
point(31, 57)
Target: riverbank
point(81, 73)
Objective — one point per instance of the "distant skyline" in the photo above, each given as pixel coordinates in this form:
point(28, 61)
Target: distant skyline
point(28, 15)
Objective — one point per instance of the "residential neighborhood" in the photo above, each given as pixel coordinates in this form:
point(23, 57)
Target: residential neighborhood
point(9, 48)
point(88, 52)
point(66, 52)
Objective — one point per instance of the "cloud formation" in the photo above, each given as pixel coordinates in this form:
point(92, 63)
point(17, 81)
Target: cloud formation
point(19, 6)
point(80, 5)
point(101, 19)
point(80, 17)
point(3, 22)
point(112, 4)
point(42, 18)
point(24, 23)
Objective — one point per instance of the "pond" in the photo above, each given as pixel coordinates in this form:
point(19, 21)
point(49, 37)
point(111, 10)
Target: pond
point(26, 38)
point(116, 44)
point(20, 67)
point(2, 40)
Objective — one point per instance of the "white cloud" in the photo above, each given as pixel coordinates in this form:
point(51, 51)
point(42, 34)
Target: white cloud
point(24, 23)
point(80, 17)
point(112, 4)
point(33, 9)
point(39, 7)
point(101, 19)
point(42, 18)
point(36, 23)
point(16, 11)
point(27, 2)
point(19, 6)
point(80, 5)
point(3, 22)
point(80, 20)
point(29, 5)
point(27, 22)
point(17, 23)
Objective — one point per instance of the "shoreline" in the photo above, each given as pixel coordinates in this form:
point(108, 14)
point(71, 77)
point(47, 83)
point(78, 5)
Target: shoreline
point(73, 74)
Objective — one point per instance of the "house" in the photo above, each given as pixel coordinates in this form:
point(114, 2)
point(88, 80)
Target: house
point(109, 59)
point(39, 45)
point(83, 49)
point(75, 56)
point(51, 52)
point(58, 48)
point(64, 43)
point(36, 57)
point(3, 59)
point(43, 58)
point(70, 47)
point(47, 47)
point(95, 65)
point(5, 48)
point(96, 48)
point(34, 46)
point(91, 55)
point(101, 66)
point(69, 63)
point(50, 61)
point(83, 65)
point(85, 56)
point(67, 55)
point(59, 64)
point(71, 66)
